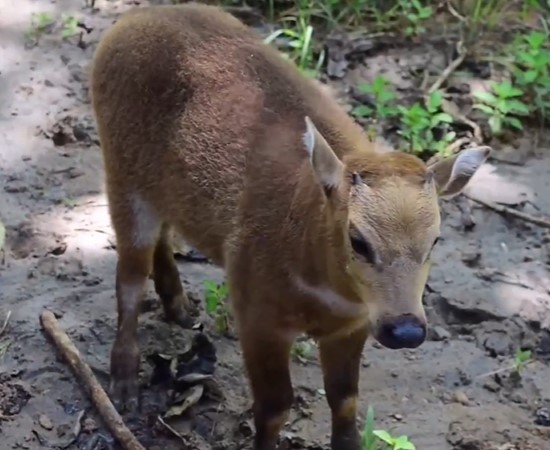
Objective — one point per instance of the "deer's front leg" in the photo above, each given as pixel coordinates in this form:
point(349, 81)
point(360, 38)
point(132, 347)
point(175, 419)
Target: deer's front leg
point(266, 355)
point(340, 360)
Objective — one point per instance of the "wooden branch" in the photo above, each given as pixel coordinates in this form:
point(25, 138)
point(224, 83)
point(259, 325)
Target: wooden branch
point(462, 51)
point(85, 375)
point(506, 211)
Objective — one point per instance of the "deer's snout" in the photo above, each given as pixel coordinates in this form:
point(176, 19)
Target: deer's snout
point(406, 331)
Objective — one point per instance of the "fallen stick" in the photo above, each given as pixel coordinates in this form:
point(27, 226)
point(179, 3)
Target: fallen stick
point(451, 109)
point(83, 372)
point(505, 211)
point(462, 51)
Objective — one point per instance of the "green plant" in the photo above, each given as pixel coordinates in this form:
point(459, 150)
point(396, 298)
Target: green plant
point(372, 439)
point(502, 105)
point(216, 295)
point(481, 15)
point(418, 124)
point(299, 32)
point(40, 23)
point(70, 25)
point(382, 94)
point(531, 68)
point(521, 359)
point(415, 13)
point(302, 350)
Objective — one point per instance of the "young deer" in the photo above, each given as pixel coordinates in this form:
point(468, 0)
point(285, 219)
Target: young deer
point(206, 129)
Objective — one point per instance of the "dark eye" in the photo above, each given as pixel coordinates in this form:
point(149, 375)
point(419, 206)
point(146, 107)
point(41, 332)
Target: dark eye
point(362, 247)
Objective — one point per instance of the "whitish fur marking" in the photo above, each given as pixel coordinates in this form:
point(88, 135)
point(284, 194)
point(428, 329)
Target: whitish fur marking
point(339, 305)
point(146, 223)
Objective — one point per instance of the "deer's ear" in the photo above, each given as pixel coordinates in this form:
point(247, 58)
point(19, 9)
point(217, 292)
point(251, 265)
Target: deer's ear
point(327, 166)
point(451, 175)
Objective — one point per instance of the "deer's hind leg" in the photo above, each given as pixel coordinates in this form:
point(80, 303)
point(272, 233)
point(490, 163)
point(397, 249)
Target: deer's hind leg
point(168, 284)
point(137, 230)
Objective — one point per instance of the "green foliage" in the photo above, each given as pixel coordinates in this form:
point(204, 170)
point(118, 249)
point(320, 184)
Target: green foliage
point(302, 350)
point(383, 96)
point(44, 23)
point(483, 15)
point(299, 33)
point(70, 25)
point(340, 12)
point(372, 439)
point(522, 358)
point(415, 13)
point(419, 122)
point(41, 23)
point(531, 69)
point(216, 296)
point(301, 52)
point(502, 105)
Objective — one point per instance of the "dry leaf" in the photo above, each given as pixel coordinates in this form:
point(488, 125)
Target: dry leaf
point(192, 396)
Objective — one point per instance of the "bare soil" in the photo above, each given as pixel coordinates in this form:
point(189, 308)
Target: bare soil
point(488, 293)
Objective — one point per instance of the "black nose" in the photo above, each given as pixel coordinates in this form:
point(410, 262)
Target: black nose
point(402, 332)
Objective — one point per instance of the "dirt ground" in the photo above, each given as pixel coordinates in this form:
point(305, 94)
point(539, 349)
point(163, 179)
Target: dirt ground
point(488, 293)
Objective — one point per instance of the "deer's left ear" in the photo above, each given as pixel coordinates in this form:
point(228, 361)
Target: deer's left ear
point(326, 165)
point(451, 175)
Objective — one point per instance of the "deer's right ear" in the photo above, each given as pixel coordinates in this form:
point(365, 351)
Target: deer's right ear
point(327, 166)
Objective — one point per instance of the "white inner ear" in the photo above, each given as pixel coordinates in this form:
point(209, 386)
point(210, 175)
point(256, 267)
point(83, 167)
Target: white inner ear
point(468, 161)
point(309, 137)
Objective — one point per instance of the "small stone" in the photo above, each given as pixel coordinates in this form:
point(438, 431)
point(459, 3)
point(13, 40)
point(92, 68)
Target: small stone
point(89, 425)
point(543, 417)
point(45, 422)
point(440, 334)
point(398, 417)
point(491, 385)
point(460, 397)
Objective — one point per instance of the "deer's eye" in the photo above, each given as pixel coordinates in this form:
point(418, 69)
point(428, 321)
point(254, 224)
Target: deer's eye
point(363, 248)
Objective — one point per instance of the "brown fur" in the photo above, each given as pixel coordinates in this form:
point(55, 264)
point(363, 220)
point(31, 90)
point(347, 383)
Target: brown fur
point(202, 128)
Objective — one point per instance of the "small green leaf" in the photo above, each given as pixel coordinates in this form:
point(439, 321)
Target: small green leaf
point(365, 88)
point(404, 445)
point(362, 111)
point(514, 122)
point(530, 76)
point(384, 436)
point(496, 124)
point(536, 39)
point(486, 109)
point(518, 107)
point(441, 117)
point(435, 100)
point(484, 96)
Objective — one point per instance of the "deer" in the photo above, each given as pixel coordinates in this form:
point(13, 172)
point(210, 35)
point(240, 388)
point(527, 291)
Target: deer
point(208, 131)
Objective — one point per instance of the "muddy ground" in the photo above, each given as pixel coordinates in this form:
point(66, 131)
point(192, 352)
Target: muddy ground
point(488, 292)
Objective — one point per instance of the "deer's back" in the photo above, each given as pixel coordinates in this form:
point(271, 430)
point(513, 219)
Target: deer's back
point(181, 94)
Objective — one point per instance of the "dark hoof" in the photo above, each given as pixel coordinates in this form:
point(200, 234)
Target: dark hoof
point(349, 440)
point(125, 395)
point(176, 311)
point(125, 360)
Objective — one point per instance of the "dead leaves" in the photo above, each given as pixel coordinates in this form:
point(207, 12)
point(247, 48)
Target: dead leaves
point(188, 376)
